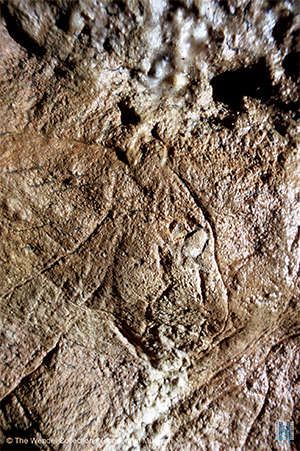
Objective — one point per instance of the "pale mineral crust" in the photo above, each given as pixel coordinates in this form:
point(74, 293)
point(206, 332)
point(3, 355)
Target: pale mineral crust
point(149, 224)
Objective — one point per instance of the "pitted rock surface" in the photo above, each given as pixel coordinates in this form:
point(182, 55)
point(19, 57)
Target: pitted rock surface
point(149, 224)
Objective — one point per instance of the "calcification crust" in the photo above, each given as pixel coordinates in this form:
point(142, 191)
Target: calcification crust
point(149, 180)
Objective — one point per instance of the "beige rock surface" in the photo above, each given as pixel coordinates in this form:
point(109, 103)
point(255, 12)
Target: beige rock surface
point(149, 223)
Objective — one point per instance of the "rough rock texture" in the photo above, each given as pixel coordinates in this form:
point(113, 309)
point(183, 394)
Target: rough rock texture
point(149, 224)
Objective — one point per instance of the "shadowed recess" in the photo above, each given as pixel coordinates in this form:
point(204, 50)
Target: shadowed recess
point(128, 114)
point(17, 32)
point(231, 86)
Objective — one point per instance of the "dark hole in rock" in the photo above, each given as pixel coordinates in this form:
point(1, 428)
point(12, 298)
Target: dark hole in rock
point(107, 45)
point(254, 81)
point(295, 39)
point(16, 31)
point(85, 35)
point(291, 65)
point(121, 5)
point(154, 132)
point(128, 114)
point(64, 69)
point(141, 8)
point(147, 193)
point(229, 122)
point(292, 108)
point(67, 181)
point(174, 5)
point(63, 20)
point(224, 4)
point(281, 28)
point(272, 3)
point(266, 177)
point(115, 7)
point(134, 73)
point(281, 125)
point(188, 9)
point(218, 123)
point(121, 155)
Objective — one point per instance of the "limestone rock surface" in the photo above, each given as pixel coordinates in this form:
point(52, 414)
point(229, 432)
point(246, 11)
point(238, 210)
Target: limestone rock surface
point(149, 224)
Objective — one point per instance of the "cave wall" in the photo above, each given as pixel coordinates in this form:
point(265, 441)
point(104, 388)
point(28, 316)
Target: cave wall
point(149, 208)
